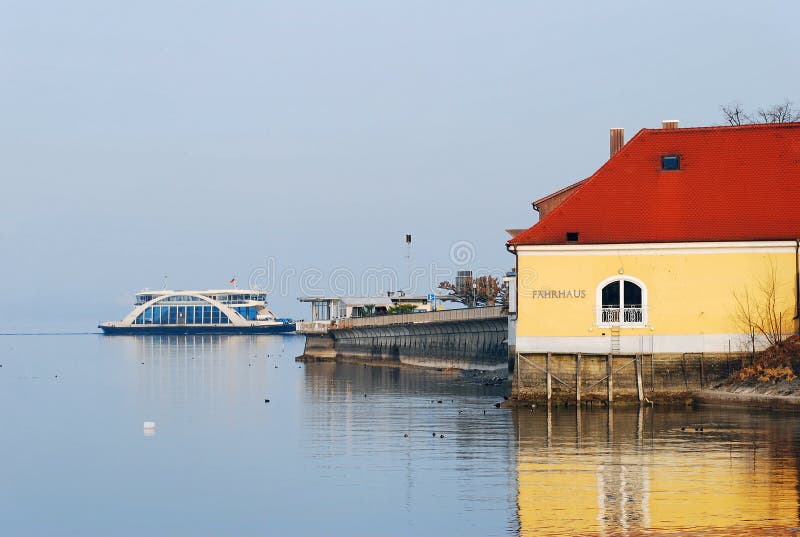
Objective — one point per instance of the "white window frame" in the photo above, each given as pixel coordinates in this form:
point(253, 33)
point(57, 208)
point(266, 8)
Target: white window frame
point(599, 301)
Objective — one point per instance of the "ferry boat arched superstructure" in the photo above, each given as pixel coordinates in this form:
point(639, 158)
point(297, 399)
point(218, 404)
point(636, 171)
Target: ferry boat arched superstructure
point(212, 311)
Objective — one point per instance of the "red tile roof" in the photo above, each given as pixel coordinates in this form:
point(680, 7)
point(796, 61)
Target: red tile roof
point(735, 183)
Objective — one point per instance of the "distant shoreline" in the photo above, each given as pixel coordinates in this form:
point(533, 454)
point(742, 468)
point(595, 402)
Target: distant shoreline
point(50, 333)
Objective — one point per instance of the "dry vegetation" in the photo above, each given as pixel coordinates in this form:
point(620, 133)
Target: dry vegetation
point(779, 362)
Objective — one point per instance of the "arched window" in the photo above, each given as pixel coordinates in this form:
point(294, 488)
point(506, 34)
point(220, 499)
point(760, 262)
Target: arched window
point(621, 300)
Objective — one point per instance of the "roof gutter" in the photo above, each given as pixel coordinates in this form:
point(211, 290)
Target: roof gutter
point(797, 280)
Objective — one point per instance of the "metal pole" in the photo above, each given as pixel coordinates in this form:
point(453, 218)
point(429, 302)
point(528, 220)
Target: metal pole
point(652, 369)
point(549, 378)
point(578, 379)
point(610, 373)
point(702, 372)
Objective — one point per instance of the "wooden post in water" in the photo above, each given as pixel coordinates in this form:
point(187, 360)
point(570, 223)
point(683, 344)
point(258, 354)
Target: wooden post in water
point(549, 377)
point(640, 424)
point(610, 373)
point(638, 366)
point(578, 378)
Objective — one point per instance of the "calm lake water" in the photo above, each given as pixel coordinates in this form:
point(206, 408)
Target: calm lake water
point(322, 459)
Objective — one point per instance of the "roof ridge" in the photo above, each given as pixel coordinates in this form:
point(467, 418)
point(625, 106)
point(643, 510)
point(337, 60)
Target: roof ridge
point(560, 191)
point(749, 126)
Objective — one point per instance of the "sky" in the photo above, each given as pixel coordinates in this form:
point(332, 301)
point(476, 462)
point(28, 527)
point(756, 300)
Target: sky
point(292, 145)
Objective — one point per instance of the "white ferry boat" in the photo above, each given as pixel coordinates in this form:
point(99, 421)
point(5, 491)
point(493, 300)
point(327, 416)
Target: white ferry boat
point(228, 311)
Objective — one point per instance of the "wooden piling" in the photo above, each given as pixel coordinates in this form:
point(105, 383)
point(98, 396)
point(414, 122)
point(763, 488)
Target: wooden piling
point(549, 378)
point(638, 366)
point(640, 424)
point(610, 373)
point(578, 378)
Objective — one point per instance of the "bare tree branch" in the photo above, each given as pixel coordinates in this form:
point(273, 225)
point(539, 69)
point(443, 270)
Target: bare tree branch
point(735, 114)
point(780, 113)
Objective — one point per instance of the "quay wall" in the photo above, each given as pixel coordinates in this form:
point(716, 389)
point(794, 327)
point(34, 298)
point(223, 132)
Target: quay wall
point(319, 346)
point(463, 344)
point(664, 376)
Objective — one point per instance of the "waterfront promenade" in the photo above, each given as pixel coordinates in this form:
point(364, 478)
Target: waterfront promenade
point(467, 338)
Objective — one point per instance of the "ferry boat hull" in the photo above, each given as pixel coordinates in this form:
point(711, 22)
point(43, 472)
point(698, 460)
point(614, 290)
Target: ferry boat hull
point(194, 329)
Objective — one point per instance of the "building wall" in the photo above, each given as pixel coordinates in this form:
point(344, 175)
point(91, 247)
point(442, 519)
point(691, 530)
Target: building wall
point(690, 294)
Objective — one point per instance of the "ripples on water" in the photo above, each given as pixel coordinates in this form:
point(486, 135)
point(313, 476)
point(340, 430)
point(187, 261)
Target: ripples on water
point(322, 459)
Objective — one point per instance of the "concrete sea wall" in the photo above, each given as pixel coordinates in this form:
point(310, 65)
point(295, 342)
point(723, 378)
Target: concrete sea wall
point(663, 376)
point(473, 344)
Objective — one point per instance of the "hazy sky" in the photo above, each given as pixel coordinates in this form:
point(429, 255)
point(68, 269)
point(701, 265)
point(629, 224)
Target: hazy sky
point(201, 139)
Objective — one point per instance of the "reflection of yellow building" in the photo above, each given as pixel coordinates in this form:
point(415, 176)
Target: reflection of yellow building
point(711, 490)
point(588, 486)
point(557, 498)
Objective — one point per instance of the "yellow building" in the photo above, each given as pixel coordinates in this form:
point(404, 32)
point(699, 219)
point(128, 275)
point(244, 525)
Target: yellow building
point(684, 241)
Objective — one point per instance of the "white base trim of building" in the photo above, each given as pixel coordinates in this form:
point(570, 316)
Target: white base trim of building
point(655, 344)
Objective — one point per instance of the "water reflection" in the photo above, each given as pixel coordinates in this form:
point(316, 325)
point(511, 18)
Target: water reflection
point(323, 459)
point(179, 368)
point(643, 471)
point(335, 434)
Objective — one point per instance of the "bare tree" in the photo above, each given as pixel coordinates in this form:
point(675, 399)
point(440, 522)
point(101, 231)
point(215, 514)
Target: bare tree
point(757, 310)
point(487, 291)
point(735, 114)
point(780, 113)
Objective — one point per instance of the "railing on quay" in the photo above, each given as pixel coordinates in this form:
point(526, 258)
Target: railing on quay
point(463, 314)
point(318, 327)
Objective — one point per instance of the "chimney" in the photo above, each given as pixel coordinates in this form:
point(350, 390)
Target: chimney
point(617, 140)
point(669, 124)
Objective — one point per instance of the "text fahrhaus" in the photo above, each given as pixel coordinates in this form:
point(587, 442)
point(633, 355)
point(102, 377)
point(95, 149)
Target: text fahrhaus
point(559, 293)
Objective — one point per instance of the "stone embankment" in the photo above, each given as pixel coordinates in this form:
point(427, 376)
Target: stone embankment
point(584, 378)
point(463, 344)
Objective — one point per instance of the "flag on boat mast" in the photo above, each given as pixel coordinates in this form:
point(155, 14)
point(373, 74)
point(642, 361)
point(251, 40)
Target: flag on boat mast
point(233, 281)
